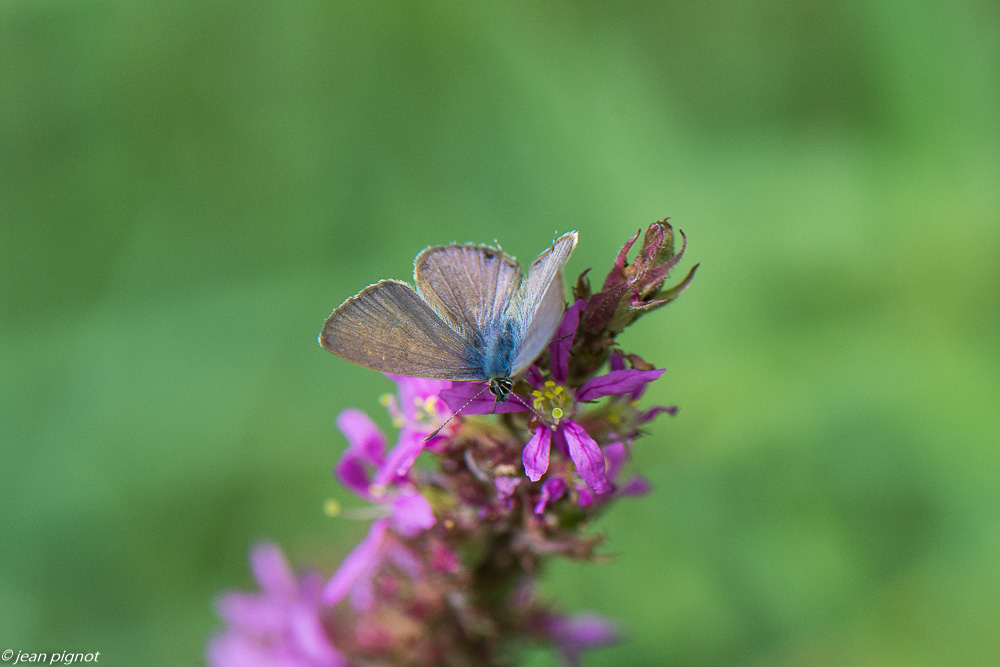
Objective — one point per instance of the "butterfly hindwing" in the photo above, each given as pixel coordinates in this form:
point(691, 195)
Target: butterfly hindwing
point(469, 285)
point(388, 327)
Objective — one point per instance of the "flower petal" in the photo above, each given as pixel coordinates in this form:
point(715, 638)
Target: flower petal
point(250, 613)
point(586, 456)
point(617, 362)
point(401, 458)
point(505, 486)
point(363, 436)
point(234, 650)
point(272, 572)
point(363, 557)
point(616, 383)
point(552, 490)
point(616, 454)
point(580, 632)
point(505, 491)
point(562, 341)
point(443, 559)
point(411, 513)
point(654, 411)
point(536, 453)
point(354, 475)
point(637, 486)
point(413, 390)
point(405, 560)
point(310, 639)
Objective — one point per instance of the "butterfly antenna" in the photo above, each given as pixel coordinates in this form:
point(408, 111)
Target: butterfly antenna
point(456, 413)
point(533, 411)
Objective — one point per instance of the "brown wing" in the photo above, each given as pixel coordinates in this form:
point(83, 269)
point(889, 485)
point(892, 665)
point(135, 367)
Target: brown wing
point(470, 285)
point(388, 327)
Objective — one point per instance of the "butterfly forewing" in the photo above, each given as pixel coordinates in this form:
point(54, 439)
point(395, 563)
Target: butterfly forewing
point(539, 304)
point(470, 285)
point(387, 327)
point(543, 270)
point(542, 326)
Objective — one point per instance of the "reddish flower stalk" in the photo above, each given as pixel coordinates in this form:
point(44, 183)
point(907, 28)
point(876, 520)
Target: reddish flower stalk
point(446, 573)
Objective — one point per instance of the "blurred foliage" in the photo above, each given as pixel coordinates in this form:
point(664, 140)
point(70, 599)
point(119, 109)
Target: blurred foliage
point(188, 188)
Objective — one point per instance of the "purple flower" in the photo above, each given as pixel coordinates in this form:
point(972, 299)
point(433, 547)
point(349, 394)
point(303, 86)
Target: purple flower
point(577, 633)
point(418, 412)
point(402, 509)
point(280, 626)
point(555, 404)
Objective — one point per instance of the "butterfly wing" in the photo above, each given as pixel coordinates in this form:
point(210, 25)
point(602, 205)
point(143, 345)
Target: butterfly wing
point(542, 326)
point(471, 286)
point(539, 305)
point(387, 327)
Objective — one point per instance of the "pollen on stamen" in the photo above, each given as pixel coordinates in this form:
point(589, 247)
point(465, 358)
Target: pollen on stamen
point(332, 508)
point(557, 413)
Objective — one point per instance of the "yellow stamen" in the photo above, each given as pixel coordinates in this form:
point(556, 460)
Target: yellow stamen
point(550, 399)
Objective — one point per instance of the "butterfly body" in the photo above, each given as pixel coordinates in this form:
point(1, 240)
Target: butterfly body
point(472, 316)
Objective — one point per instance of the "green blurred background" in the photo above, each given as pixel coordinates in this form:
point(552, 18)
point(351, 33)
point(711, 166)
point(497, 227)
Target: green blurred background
point(188, 188)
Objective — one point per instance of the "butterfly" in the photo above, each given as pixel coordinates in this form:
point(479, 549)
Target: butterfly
point(473, 316)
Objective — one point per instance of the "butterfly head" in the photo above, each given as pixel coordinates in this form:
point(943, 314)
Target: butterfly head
point(500, 387)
